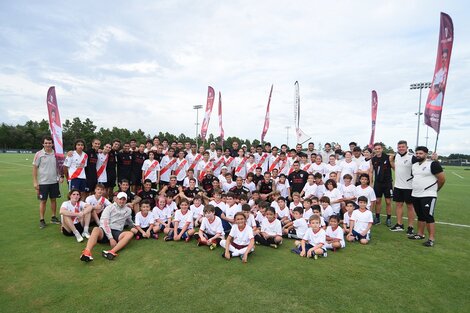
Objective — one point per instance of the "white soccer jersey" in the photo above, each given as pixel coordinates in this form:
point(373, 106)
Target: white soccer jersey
point(403, 176)
point(367, 192)
point(186, 182)
point(320, 191)
point(301, 227)
point(275, 205)
point(93, 201)
point(77, 208)
point(318, 168)
point(172, 207)
point(240, 167)
point(283, 188)
point(337, 233)
point(273, 164)
point(348, 191)
point(218, 163)
point(327, 212)
point(315, 238)
point(283, 213)
point(243, 236)
point(160, 215)
point(76, 165)
point(347, 168)
point(259, 217)
point(364, 166)
point(101, 167)
point(251, 167)
point(361, 220)
point(262, 161)
point(251, 186)
point(227, 186)
point(212, 228)
point(331, 169)
point(346, 219)
point(309, 190)
point(181, 166)
point(231, 211)
point(150, 169)
point(334, 195)
point(293, 205)
point(165, 168)
point(273, 228)
point(250, 221)
point(221, 205)
point(197, 211)
point(144, 221)
point(229, 163)
point(284, 167)
point(307, 214)
point(184, 218)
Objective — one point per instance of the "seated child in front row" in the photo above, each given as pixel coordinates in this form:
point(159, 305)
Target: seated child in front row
point(75, 215)
point(312, 244)
point(316, 209)
point(197, 209)
point(240, 241)
point(283, 213)
point(298, 227)
point(334, 235)
point(182, 224)
point(271, 231)
point(350, 206)
point(211, 230)
point(144, 222)
point(360, 223)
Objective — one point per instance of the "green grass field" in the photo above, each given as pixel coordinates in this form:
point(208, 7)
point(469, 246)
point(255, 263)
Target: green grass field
point(40, 270)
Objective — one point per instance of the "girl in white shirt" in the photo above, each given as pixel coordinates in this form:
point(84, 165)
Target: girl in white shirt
point(240, 241)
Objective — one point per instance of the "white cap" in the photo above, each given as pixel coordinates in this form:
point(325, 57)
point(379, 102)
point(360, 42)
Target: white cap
point(121, 195)
point(212, 143)
point(243, 146)
point(224, 168)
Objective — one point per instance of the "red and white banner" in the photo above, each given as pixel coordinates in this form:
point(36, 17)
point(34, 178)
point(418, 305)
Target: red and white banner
point(220, 121)
point(56, 128)
point(266, 119)
point(375, 104)
point(435, 101)
point(207, 116)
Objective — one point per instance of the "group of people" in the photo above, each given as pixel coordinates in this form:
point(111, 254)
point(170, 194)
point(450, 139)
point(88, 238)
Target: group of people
point(236, 198)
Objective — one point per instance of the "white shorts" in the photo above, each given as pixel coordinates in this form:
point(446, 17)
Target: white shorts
point(330, 247)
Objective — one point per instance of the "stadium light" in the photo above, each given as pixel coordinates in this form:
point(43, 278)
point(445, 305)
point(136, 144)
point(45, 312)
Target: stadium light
point(197, 107)
point(419, 86)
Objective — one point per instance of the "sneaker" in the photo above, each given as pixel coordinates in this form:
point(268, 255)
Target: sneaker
point(397, 227)
point(377, 221)
point(388, 222)
point(86, 256)
point(325, 254)
point(42, 224)
point(315, 256)
point(213, 246)
point(79, 238)
point(86, 235)
point(109, 254)
point(409, 231)
point(429, 243)
point(55, 220)
point(416, 237)
point(273, 245)
point(257, 243)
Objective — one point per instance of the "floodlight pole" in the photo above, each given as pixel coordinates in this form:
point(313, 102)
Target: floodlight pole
point(287, 135)
point(419, 86)
point(197, 107)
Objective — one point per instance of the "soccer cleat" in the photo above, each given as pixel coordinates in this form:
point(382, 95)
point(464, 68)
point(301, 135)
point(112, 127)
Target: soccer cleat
point(42, 224)
point(109, 254)
point(55, 220)
point(429, 243)
point(79, 238)
point(397, 227)
point(86, 256)
point(377, 221)
point(409, 231)
point(86, 235)
point(325, 254)
point(416, 237)
point(273, 245)
point(315, 256)
point(213, 246)
point(388, 222)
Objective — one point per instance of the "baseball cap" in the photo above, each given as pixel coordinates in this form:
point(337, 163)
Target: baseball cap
point(121, 195)
point(224, 168)
point(212, 143)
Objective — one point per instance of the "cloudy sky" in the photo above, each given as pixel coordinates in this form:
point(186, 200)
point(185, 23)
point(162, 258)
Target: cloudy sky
point(145, 64)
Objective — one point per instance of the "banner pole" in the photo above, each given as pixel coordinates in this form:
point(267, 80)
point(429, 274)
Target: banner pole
point(435, 146)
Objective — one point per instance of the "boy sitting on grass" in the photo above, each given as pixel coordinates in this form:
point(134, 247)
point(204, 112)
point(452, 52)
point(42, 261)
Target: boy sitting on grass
point(360, 223)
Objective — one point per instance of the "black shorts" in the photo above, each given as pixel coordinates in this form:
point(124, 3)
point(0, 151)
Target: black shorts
point(116, 233)
point(111, 179)
point(402, 195)
point(91, 184)
point(48, 191)
point(136, 179)
point(78, 226)
point(383, 189)
point(424, 208)
point(79, 184)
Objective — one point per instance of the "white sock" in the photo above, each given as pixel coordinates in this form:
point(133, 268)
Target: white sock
point(85, 229)
point(76, 233)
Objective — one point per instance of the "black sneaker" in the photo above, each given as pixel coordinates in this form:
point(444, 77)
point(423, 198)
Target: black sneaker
point(397, 227)
point(409, 231)
point(388, 222)
point(429, 243)
point(42, 224)
point(416, 237)
point(377, 221)
point(55, 220)
point(109, 254)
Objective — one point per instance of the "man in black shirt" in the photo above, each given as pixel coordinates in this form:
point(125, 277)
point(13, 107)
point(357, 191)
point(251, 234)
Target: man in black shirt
point(111, 166)
point(239, 189)
point(380, 173)
point(266, 187)
point(147, 193)
point(258, 176)
point(138, 158)
point(90, 169)
point(297, 179)
point(124, 163)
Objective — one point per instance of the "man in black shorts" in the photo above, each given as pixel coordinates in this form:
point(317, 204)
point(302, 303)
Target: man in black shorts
point(380, 173)
point(428, 179)
point(112, 222)
point(45, 180)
